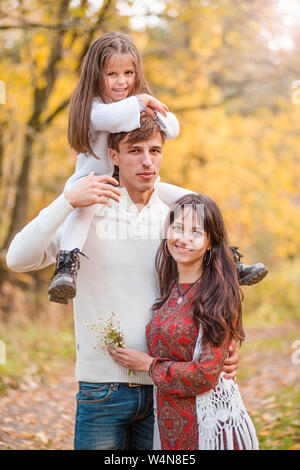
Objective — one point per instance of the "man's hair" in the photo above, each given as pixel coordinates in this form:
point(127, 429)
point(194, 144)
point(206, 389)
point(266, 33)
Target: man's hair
point(149, 127)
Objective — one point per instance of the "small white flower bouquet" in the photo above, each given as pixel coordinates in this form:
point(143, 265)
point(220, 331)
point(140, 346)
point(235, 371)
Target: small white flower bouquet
point(108, 333)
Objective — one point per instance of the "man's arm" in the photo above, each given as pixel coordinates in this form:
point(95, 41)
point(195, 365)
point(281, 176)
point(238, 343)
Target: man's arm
point(169, 193)
point(35, 247)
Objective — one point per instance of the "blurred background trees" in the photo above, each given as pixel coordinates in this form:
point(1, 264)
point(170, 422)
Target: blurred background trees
point(230, 71)
point(227, 68)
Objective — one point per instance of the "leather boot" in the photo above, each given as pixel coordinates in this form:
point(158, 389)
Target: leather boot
point(63, 285)
point(248, 274)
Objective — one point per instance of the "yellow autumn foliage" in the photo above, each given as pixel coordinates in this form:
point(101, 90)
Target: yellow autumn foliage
point(239, 139)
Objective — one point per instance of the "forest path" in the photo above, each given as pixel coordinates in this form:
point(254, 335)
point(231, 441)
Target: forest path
point(41, 416)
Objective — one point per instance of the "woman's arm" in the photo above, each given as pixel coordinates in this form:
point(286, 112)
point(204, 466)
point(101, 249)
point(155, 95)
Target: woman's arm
point(188, 379)
point(181, 379)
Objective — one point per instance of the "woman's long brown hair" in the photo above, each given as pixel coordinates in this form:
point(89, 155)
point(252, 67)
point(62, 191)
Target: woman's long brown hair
point(217, 304)
point(91, 85)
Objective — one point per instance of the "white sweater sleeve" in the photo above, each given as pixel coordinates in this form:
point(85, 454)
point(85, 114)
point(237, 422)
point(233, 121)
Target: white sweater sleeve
point(169, 193)
point(169, 124)
point(124, 116)
point(121, 116)
point(36, 246)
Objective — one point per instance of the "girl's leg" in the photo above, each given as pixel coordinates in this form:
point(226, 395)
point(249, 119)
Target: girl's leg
point(74, 233)
point(76, 227)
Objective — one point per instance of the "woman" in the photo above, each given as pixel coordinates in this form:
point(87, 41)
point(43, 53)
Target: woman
point(197, 315)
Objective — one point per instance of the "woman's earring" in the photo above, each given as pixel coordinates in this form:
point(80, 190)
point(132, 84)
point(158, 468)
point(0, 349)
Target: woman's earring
point(207, 257)
point(166, 249)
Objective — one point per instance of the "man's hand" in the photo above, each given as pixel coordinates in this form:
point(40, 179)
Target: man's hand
point(231, 363)
point(93, 190)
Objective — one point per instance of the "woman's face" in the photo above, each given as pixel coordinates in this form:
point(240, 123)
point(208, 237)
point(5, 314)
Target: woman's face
point(186, 239)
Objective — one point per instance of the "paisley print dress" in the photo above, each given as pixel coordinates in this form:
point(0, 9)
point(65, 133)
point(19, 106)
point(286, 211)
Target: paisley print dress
point(171, 339)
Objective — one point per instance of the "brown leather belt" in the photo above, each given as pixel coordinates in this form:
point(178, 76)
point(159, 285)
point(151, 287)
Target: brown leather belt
point(128, 384)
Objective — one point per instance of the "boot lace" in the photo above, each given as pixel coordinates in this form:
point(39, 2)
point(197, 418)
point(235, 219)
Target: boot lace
point(237, 256)
point(68, 261)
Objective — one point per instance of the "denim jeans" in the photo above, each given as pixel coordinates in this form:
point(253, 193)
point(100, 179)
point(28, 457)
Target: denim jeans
point(114, 417)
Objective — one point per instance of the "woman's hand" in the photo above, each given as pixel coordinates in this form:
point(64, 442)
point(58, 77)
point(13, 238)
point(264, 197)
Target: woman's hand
point(131, 359)
point(93, 189)
point(152, 104)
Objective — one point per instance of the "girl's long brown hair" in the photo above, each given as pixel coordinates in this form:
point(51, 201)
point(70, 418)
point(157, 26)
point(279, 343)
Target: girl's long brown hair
point(217, 304)
point(91, 85)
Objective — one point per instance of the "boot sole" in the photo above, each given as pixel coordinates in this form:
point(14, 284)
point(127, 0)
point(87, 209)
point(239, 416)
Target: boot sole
point(61, 293)
point(58, 300)
point(254, 279)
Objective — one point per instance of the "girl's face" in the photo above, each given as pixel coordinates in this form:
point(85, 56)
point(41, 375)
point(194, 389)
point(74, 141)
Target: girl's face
point(119, 77)
point(187, 241)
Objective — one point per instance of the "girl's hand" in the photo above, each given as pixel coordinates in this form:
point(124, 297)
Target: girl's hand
point(152, 104)
point(93, 190)
point(131, 359)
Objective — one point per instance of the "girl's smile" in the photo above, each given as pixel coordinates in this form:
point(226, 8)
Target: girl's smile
point(119, 77)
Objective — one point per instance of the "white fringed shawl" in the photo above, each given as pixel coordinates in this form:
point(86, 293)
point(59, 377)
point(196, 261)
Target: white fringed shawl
point(219, 412)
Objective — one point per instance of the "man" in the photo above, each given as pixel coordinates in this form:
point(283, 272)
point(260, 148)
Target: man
point(114, 409)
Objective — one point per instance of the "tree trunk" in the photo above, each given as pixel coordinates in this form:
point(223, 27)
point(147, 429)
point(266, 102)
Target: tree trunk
point(22, 194)
point(41, 96)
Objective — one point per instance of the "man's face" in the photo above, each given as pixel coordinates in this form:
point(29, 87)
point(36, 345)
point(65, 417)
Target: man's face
point(138, 163)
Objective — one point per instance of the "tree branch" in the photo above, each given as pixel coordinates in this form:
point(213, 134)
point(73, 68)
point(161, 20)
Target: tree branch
point(54, 113)
point(63, 26)
point(206, 106)
point(106, 6)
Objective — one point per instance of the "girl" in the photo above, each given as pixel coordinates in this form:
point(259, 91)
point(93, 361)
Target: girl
point(109, 98)
point(195, 318)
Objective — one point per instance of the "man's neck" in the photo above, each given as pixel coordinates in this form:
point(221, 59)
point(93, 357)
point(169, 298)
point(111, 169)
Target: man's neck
point(140, 199)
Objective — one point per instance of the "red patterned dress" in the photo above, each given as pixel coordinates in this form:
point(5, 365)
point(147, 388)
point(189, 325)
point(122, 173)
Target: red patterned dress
point(171, 338)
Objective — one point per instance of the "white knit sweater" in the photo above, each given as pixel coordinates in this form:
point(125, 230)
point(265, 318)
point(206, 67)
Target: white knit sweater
point(118, 277)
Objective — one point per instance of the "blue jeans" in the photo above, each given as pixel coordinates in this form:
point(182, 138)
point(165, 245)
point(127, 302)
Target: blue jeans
point(114, 417)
